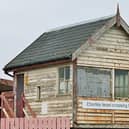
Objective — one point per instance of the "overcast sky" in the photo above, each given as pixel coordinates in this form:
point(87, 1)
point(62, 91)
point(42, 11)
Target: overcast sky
point(22, 21)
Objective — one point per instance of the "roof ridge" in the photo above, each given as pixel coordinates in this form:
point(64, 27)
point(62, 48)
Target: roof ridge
point(80, 23)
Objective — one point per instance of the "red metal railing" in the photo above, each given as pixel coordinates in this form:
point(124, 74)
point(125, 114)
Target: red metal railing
point(35, 123)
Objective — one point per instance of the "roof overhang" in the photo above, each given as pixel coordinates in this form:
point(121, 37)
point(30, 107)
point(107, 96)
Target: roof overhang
point(40, 65)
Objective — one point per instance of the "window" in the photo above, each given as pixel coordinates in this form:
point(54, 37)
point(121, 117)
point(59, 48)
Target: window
point(121, 83)
point(38, 92)
point(93, 82)
point(64, 80)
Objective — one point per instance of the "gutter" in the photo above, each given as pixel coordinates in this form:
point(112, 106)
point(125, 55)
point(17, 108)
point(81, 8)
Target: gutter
point(8, 74)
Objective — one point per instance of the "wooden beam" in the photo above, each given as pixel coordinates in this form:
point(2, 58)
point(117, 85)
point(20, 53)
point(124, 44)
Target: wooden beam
point(26, 115)
point(43, 65)
point(5, 112)
point(113, 83)
point(74, 92)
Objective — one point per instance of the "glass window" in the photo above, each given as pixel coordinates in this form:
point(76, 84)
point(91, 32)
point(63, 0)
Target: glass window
point(93, 82)
point(121, 83)
point(64, 80)
point(38, 92)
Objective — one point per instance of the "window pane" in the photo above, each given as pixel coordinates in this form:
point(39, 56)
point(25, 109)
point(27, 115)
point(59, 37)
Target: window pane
point(117, 94)
point(64, 80)
point(126, 81)
point(62, 87)
point(126, 92)
point(93, 82)
point(61, 73)
point(38, 92)
point(67, 73)
point(121, 83)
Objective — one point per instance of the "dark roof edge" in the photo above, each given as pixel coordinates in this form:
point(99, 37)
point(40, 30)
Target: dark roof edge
point(37, 63)
point(6, 66)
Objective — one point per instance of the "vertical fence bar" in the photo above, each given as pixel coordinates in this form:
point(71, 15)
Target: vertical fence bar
point(35, 123)
point(7, 123)
point(26, 123)
point(12, 125)
point(3, 123)
point(63, 119)
point(17, 123)
point(67, 123)
point(21, 123)
point(59, 123)
point(40, 123)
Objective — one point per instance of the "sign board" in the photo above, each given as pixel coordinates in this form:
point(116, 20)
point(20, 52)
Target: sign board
point(90, 104)
point(44, 108)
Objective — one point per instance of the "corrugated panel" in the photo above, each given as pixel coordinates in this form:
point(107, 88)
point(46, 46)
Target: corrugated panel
point(93, 82)
point(58, 44)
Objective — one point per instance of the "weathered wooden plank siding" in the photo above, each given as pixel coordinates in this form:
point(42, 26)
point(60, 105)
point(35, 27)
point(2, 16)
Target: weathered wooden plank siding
point(111, 51)
point(99, 116)
point(47, 79)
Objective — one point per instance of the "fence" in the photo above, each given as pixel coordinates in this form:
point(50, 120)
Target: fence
point(35, 123)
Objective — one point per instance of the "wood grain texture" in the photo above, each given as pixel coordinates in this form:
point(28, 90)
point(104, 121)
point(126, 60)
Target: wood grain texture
point(47, 79)
point(110, 51)
point(100, 116)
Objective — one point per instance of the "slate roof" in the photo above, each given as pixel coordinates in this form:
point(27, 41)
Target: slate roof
point(57, 44)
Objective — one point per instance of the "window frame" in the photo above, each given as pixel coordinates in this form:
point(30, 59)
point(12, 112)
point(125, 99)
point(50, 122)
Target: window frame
point(99, 69)
point(120, 97)
point(67, 91)
point(38, 96)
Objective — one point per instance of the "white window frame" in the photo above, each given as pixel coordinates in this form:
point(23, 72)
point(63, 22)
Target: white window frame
point(67, 91)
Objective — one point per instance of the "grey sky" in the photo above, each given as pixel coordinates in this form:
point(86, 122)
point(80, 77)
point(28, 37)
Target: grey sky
point(22, 21)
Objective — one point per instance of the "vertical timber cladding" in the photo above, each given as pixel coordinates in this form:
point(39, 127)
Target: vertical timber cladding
point(50, 103)
point(109, 52)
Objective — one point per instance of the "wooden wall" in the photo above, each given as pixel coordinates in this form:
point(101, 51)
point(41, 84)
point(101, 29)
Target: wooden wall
point(111, 51)
point(101, 117)
point(47, 79)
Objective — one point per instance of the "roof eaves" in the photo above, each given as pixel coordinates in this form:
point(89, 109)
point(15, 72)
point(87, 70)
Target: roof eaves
point(9, 69)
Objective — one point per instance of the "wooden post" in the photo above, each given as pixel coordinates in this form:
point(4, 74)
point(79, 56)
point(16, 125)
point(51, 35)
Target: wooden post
point(113, 83)
point(19, 92)
point(74, 92)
